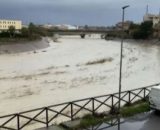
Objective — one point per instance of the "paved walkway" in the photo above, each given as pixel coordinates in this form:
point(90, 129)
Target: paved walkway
point(52, 128)
point(149, 121)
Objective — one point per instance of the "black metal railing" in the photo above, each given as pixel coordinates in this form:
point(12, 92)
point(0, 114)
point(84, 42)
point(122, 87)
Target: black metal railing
point(47, 116)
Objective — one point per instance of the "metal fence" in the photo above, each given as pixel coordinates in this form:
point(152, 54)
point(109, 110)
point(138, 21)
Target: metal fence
point(47, 116)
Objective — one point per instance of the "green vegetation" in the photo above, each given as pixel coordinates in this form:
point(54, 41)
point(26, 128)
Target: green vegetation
point(11, 31)
point(32, 32)
point(127, 111)
point(135, 109)
point(142, 31)
point(90, 120)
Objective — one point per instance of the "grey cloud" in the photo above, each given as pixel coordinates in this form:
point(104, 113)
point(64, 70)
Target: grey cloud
point(93, 12)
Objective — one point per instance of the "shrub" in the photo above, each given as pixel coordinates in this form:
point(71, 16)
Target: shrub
point(82, 36)
point(143, 31)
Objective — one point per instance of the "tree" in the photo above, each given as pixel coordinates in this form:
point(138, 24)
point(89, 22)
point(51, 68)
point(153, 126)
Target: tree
point(33, 32)
point(144, 31)
point(11, 31)
point(25, 32)
point(86, 27)
point(32, 28)
point(134, 26)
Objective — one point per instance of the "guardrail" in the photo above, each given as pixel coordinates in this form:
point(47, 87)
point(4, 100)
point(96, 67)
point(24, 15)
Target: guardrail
point(46, 116)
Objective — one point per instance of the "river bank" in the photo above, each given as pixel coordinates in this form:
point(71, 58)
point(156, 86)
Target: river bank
point(23, 46)
point(19, 46)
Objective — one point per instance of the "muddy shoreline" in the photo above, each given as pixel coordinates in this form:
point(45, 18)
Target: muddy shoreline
point(25, 46)
point(19, 47)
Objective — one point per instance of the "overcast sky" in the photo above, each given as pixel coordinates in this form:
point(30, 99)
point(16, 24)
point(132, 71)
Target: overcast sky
point(75, 12)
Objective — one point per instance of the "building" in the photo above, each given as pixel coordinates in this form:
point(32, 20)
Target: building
point(5, 24)
point(71, 27)
point(47, 26)
point(24, 26)
point(66, 27)
point(126, 25)
point(155, 19)
point(60, 26)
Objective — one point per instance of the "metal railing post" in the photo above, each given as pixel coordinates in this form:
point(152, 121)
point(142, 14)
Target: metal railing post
point(129, 97)
point(47, 120)
point(18, 122)
point(112, 104)
point(144, 93)
point(93, 107)
point(112, 101)
point(71, 111)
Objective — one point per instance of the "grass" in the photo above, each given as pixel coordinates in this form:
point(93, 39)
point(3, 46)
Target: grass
point(127, 111)
point(134, 109)
point(89, 120)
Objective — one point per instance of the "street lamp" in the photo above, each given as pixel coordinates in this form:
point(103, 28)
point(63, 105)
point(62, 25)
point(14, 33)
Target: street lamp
point(121, 56)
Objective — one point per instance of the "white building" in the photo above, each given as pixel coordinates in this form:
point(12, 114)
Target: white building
point(151, 17)
point(48, 26)
point(67, 27)
point(5, 24)
point(71, 27)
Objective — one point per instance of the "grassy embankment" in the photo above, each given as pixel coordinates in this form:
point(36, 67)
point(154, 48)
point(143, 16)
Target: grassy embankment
point(126, 111)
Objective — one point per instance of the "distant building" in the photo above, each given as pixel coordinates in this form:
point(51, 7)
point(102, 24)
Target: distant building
point(60, 26)
point(5, 24)
point(71, 27)
point(24, 26)
point(153, 18)
point(48, 26)
point(126, 25)
point(66, 27)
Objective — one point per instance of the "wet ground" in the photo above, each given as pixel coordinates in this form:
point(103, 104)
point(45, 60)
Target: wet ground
point(148, 121)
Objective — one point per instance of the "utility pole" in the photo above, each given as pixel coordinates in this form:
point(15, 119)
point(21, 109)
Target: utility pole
point(147, 10)
point(159, 16)
point(121, 57)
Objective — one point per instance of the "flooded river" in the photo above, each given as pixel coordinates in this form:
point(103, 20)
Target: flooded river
point(72, 68)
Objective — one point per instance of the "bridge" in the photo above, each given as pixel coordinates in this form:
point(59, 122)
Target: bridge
point(83, 31)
